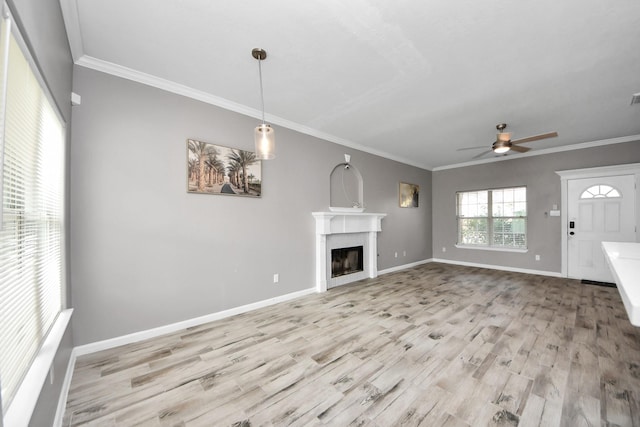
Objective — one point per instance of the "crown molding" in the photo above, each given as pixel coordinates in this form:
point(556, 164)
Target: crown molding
point(74, 34)
point(166, 85)
point(189, 92)
point(72, 23)
point(70, 14)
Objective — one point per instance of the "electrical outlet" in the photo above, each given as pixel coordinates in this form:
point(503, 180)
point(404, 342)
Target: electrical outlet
point(396, 254)
point(276, 278)
point(537, 257)
point(404, 253)
point(444, 249)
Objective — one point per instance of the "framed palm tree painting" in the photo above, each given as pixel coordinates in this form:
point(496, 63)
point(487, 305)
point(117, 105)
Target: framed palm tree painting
point(216, 169)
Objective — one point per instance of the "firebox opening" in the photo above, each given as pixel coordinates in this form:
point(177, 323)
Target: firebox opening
point(346, 261)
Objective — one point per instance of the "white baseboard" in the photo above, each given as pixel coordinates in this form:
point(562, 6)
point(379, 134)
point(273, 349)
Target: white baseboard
point(173, 327)
point(166, 329)
point(470, 264)
point(404, 266)
point(155, 332)
point(499, 267)
point(152, 333)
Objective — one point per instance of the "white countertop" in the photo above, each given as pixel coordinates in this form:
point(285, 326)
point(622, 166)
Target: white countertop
point(624, 262)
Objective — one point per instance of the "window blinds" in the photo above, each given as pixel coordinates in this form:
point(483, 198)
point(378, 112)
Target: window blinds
point(32, 218)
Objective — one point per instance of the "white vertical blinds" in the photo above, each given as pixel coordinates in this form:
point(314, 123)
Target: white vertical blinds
point(32, 219)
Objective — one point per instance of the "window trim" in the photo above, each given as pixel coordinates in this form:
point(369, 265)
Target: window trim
point(26, 396)
point(490, 226)
point(492, 248)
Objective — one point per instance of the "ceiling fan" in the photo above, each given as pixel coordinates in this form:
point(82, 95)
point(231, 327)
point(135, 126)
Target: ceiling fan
point(503, 142)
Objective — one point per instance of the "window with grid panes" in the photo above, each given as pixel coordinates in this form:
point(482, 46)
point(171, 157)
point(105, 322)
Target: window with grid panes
point(494, 218)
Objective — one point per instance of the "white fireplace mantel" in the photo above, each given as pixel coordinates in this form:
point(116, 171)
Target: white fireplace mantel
point(347, 222)
point(332, 229)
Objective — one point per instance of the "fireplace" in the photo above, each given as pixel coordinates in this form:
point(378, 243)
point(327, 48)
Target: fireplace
point(346, 231)
point(346, 261)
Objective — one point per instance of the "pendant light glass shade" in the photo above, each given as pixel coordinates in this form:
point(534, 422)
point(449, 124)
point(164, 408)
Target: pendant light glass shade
point(265, 138)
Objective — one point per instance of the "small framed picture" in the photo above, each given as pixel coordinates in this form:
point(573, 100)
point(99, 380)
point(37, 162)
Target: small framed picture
point(409, 195)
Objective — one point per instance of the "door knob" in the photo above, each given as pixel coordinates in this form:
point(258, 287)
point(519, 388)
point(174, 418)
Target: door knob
point(571, 233)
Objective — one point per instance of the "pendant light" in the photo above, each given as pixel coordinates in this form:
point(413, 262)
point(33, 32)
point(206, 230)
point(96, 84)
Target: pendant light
point(264, 134)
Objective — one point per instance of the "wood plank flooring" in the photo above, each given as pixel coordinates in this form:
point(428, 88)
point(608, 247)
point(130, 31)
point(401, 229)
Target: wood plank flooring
point(436, 345)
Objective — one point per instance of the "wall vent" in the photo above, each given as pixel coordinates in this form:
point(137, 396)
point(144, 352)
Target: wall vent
point(635, 98)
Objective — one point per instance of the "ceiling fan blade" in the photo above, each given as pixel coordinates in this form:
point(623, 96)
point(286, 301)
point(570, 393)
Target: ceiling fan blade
point(481, 154)
point(520, 149)
point(471, 148)
point(535, 137)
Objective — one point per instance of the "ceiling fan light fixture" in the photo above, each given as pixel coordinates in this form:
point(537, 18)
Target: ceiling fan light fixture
point(265, 135)
point(503, 142)
point(500, 147)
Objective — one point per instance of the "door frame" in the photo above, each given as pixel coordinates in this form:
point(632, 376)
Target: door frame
point(602, 171)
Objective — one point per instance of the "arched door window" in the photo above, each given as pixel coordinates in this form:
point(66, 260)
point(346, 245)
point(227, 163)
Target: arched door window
point(600, 192)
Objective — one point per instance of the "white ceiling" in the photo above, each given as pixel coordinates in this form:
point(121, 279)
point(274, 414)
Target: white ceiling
point(411, 80)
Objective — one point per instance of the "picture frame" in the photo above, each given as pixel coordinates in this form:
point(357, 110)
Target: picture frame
point(217, 169)
point(408, 195)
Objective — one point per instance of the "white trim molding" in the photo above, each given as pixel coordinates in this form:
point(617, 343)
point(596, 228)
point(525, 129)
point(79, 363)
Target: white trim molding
point(404, 266)
point(566, 175)
point(492, 248)
point(199, 95)
point(471, 264)
point(64, 391)
point(156, 332)
point(71, 18)
point(21, 408)
point(72, 23)
point(174, 327)
point(499, 267)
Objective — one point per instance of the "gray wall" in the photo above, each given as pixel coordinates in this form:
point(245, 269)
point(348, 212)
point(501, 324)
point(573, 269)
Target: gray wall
point(145, 253)
point(43, 28)
point(543, 191)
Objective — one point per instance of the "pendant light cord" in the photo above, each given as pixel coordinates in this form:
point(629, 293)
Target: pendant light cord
point(261, 90)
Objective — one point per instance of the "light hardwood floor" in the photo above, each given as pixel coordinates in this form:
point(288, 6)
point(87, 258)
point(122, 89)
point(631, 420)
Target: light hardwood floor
point(436, 345)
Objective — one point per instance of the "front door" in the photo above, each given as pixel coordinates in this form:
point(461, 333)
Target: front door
point(599, 209)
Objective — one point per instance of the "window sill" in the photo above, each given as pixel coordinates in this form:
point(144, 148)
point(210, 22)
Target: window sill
point(21, 408)
point(493, 248)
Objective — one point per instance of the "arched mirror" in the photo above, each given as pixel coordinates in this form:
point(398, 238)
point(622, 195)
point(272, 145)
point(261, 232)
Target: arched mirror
point(346, 188)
